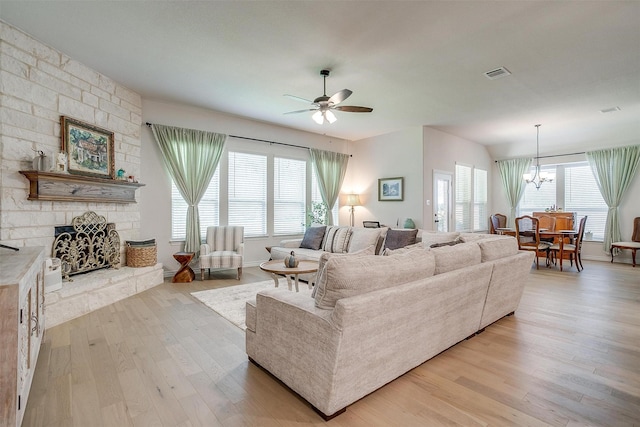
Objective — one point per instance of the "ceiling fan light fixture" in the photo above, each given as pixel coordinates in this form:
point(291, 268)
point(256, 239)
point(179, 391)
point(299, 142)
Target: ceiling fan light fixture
point(317, 117)
point(330, 116)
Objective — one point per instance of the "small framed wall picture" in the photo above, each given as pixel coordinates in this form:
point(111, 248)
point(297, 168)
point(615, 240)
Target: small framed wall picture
point(89, 149)
point(391, 189)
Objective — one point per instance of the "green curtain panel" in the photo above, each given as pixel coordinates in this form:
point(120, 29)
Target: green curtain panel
point(613, 170)
point(330, 168)
point(511, 172)
point(191, 158)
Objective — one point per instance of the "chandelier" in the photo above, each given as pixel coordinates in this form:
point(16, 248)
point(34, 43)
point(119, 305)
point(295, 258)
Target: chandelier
point(538, 176)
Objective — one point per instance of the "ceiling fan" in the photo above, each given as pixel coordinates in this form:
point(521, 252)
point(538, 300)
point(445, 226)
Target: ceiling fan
point(323, 105)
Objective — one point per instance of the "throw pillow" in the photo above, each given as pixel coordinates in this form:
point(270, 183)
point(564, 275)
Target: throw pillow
point(313, 237)
point(362, 238)
point(336, 239)
point(452, 243)
point(415, 246)
point(400, 238)
point(346, 276)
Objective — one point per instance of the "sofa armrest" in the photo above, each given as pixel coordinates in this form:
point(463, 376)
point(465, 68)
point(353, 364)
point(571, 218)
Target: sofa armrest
point(204, 249)
point(290, 243)
point(240, 249)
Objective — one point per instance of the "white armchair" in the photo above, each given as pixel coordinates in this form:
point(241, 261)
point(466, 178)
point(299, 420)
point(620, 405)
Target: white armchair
point(223, 249)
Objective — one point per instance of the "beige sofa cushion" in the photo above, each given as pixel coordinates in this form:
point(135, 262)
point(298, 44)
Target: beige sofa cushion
point(493, 249)
point(345, 276)
point(450, 258)
point(428, 238)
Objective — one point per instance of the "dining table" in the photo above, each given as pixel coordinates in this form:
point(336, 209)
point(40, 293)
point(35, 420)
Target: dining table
point(558, 236)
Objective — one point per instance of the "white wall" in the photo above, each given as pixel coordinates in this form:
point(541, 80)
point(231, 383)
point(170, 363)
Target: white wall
point(441, 152)
point(39, 84)
point(397, 154)
point(155, 197)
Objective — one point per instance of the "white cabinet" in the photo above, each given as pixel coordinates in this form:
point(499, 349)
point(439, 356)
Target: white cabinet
point(21, 327)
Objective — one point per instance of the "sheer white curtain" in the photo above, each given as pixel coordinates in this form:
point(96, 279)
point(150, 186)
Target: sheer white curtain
point(331, 168)
point(191, 158)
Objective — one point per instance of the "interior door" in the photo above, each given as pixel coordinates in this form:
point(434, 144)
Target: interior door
point(442, 189)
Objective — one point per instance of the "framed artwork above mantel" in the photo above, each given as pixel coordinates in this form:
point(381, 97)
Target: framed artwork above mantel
point(89, 149)
point(391, 189)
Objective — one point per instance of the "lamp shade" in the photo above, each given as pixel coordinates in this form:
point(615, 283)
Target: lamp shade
point(353, 200)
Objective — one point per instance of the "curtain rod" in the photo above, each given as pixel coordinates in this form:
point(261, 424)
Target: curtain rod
point(262, 140)
point(554, 155)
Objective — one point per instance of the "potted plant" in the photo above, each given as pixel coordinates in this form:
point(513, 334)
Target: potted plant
point(317, 214)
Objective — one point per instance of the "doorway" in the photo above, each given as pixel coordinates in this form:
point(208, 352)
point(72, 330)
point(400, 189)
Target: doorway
point(442, 189)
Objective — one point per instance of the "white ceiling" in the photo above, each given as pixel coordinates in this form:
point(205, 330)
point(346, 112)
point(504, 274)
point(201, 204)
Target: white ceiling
point(415, 63)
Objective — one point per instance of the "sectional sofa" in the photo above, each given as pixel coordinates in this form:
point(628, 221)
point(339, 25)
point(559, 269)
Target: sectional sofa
point(372, 318)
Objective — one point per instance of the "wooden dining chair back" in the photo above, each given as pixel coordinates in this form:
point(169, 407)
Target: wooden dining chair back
point(572, 250)
point(497, 221)
point(528, 236)
point(633, 245)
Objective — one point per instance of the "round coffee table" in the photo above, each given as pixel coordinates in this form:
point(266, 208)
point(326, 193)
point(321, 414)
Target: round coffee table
point(276, 267)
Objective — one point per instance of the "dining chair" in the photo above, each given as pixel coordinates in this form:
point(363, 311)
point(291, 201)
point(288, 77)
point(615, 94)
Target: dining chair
point(574, 250)
point(547, 222)
point(497, 221)
point(634, 244)
point(528, 236)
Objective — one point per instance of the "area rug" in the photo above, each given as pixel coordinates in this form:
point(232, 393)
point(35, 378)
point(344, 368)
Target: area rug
point(230, 302)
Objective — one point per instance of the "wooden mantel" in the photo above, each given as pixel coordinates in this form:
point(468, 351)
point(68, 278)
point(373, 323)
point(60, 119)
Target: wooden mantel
point(62, 187)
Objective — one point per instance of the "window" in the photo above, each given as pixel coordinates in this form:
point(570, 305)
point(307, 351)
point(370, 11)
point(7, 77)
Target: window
point(463, 198)
point(289, 200)
point(537, 200)
point(208, 209)
point(573, 190)
point(581, 195)
point(317, 198)
point(480, 214)
point(248, 192)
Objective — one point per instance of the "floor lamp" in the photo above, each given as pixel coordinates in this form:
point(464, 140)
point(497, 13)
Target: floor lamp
point(353, 200)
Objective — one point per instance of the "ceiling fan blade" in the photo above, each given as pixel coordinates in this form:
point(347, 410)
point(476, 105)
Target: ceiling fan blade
point(353, 109)
point(297, 98)
point(301, 111)
point(338, 97)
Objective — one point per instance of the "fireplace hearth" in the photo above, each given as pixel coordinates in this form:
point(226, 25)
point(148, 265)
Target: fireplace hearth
point(89, 243)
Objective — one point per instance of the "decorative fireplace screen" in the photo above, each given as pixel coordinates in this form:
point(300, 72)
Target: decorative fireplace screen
point(88, 244)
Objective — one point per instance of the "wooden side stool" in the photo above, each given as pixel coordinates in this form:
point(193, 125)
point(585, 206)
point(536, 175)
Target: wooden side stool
point(185, 274)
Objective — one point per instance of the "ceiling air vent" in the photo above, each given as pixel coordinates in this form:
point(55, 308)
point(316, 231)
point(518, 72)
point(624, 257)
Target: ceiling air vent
point(610, 110)
point(497, 73)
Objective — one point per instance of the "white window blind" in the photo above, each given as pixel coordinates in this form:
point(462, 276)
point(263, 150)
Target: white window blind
point(538, 200)
point(289, 196)
point(317, 198)
point(480, 214)
point(208, 209)
point(248, 192)
point(581, 195)
point(463, 198)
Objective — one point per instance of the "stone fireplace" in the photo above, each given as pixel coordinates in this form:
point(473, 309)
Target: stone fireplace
point(89, 243)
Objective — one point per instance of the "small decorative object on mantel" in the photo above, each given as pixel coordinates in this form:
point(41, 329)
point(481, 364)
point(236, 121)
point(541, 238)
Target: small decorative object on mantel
point(120, 174)
point(41, 161)
point(61, 162)
point(290, 261)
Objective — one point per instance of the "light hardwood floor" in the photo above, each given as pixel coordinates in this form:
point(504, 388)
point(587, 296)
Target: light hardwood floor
point(570, 356)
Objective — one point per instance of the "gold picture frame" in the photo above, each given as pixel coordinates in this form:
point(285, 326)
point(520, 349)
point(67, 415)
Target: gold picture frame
point(89, 148)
